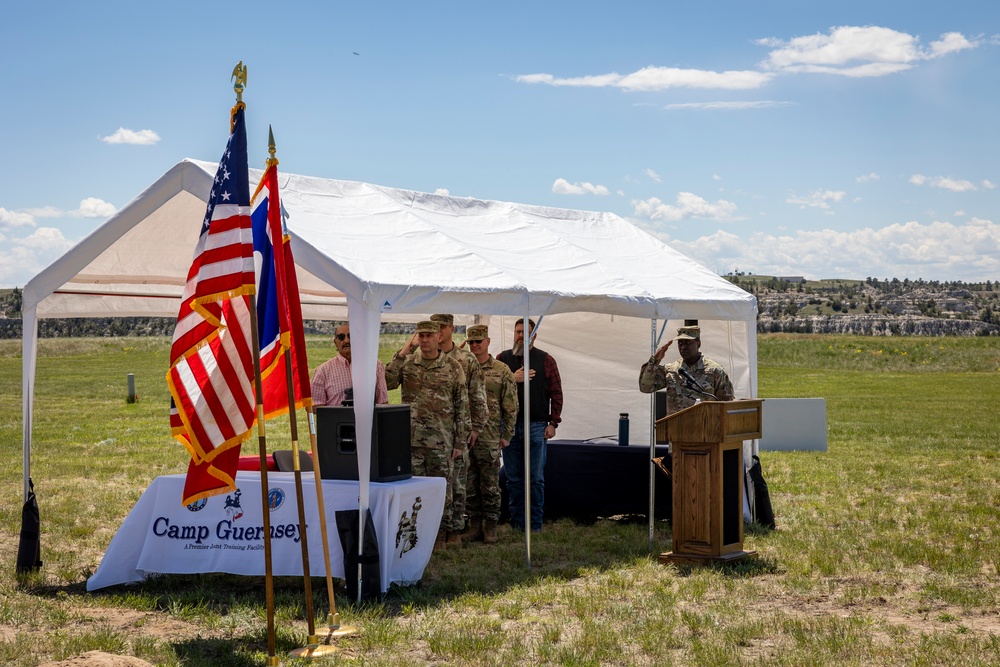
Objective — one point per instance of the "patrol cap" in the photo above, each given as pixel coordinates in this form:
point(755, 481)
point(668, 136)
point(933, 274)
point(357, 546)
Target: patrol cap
point(689, 333)
point(477, 332)
point(443, 319)
point(428, 326)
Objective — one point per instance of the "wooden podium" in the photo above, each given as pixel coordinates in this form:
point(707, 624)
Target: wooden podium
point(707, 450)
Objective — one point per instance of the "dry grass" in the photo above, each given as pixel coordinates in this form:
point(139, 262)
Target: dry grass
point(885, 552)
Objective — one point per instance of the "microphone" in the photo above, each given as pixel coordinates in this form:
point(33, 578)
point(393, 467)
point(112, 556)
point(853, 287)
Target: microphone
point(687, 376)
point(692, 383)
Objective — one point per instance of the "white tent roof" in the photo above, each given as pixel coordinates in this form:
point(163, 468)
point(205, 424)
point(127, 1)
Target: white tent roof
point(375, 253)
point(397, 247)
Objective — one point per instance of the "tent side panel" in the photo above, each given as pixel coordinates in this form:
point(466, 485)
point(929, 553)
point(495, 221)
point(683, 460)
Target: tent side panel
point(599, 357)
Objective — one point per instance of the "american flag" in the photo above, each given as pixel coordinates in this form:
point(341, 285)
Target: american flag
point(279, 313)
point(211, 377)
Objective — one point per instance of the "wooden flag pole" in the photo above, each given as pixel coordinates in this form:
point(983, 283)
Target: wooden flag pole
point(312, 648)
point(287, 282)
point(240, 77)
point(333, 618)
point(272, 657)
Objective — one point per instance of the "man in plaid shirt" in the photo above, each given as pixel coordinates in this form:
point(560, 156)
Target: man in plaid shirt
point(332, 383)
point(545, 413)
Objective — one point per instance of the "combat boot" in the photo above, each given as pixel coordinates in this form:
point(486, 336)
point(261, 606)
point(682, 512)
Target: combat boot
point(474, 532)
point(490, 531)
point(454, 538)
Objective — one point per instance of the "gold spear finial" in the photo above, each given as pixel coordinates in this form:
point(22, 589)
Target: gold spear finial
point(272, 149)
point(240, 77)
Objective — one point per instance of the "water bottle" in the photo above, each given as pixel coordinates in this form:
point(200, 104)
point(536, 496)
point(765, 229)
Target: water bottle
point(623, 429)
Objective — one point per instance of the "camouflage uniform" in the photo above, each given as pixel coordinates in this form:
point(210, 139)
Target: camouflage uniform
point(709, 375)
point(439, 413)
point(479, 413)
point(484, 471)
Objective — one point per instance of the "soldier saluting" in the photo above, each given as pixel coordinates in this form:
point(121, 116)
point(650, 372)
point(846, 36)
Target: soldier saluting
point(434, 386)
point(692, 377)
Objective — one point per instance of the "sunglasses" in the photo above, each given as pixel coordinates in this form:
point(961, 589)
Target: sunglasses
point(476, 342)
point(342, 337)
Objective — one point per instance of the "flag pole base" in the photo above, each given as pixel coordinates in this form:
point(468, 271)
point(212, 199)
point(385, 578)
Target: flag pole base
point(343, 631)
point(314, 650)
point(338, 630)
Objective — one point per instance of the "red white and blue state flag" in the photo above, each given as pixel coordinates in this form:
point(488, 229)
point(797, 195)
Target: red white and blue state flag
point(211, 376)
point(279, 313)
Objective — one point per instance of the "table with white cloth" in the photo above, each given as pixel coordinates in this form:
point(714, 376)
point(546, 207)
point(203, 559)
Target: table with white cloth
point(225, 533)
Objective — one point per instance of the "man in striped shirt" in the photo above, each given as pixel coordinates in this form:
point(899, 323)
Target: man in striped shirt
point(332, 383)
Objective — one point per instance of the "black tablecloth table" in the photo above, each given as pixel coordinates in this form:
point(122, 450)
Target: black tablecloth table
point(585, 481)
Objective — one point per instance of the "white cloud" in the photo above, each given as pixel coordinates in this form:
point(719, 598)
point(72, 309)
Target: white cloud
point(46, 212)
point(653, 176)
point(90, 207)
point(727, 106)
point(657, 78)
point(11, 219)
point(662, 78)
point(989, 185)
point(22, 258)
point(968, 251)
point(716, 177)
point(857, 51)
point(959, 214)
point(564, 187)
point(947, 183)
point(689, 205)
point(441, 191)
point(950, 42)
point(45, 238)
point(817, 199)
point(137, 138)
point(868, 178)
point(852, 51)
point(953, 184)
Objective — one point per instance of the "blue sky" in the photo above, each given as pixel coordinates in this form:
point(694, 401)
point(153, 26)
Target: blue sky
point(827, 139)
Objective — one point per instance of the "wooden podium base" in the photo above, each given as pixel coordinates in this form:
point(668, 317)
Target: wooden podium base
point(694, 559)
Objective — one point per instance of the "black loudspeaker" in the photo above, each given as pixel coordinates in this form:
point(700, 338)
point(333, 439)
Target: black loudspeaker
point(337, 444)
point(661, 404)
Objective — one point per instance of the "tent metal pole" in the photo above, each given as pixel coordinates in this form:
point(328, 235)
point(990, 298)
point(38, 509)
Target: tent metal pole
point(752, 363)
point(652, 441)
point(29, 361)
point(526, 439)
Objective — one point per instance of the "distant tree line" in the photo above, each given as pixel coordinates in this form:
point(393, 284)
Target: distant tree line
point(107, 327)
point(783, 305)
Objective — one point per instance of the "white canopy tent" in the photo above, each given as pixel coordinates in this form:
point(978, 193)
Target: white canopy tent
point(369, 253)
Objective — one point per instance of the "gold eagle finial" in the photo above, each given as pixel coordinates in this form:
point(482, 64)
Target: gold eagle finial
point(240, 78)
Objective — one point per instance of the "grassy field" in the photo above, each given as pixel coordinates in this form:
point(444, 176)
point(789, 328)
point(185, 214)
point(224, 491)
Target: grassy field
point(885, 552)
